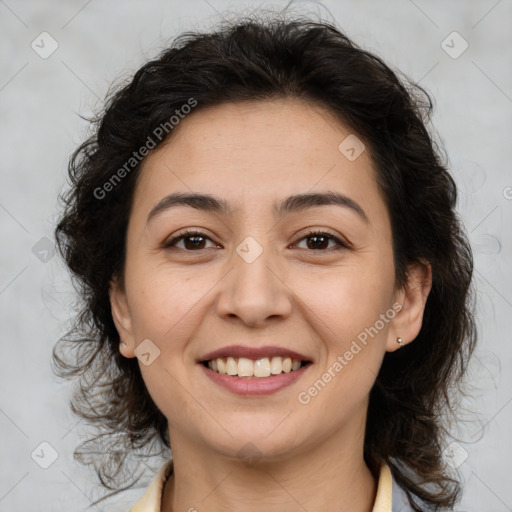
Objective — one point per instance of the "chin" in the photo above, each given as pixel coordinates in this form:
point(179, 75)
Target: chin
point(252, 442)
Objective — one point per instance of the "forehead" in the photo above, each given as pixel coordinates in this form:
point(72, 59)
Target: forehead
point(256, 153)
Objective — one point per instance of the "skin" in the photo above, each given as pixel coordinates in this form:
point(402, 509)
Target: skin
point(294, 295)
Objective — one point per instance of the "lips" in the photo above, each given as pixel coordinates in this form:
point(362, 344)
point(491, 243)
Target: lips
point(255, 353)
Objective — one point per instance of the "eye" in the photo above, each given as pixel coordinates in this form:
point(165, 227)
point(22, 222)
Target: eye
point(195, 240)
point(192, 239)
point(320, 239)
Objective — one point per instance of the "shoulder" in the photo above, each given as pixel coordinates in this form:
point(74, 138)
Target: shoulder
point(152, 498)
point(401, 503)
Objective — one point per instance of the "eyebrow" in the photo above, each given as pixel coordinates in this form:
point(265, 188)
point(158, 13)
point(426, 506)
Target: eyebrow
point(291, 204)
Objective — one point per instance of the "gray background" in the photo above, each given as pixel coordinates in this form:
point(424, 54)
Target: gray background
point(99, 41)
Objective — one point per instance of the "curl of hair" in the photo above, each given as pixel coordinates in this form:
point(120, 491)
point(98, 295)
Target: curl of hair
point(256, 60)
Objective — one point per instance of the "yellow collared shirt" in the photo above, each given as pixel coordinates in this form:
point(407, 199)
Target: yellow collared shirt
point(152, 499)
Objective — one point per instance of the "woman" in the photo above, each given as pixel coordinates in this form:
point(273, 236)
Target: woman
point(275, 281)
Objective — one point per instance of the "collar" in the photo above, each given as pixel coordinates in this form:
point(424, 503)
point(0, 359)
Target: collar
point(387, 491)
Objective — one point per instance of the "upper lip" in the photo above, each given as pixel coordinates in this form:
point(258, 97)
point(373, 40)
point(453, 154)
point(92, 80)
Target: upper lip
point(253, 353)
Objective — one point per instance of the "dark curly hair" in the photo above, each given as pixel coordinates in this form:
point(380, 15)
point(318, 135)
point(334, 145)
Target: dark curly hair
point(255, 58)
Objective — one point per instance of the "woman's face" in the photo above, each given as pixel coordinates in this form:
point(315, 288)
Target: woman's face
point(255, 277)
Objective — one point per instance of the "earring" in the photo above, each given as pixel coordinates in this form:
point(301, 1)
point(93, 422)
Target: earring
point(400, 341)
point(123, 344)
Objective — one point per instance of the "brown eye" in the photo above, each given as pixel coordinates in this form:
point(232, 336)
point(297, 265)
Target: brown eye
point(192, 241)
point(319, 241)
point(315, 241)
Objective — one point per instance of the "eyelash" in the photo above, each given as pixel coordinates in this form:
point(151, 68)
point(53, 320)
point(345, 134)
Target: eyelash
point(194, 233)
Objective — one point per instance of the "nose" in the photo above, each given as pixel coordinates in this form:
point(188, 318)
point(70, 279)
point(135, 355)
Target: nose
point(254, 291)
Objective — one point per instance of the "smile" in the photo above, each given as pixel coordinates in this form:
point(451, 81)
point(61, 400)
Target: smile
point(244, 367)
point(248, 377)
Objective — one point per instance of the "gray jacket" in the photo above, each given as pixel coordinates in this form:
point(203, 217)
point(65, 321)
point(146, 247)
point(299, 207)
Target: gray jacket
point(400, 502)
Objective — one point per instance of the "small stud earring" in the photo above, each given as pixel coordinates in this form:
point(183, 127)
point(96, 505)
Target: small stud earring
point(123, 344)
point(400, 341)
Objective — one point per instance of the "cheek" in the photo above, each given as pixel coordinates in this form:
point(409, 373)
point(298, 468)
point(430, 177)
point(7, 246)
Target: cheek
point(167, 309)
point(346, 314)
point(345, 301)
point(163, 303)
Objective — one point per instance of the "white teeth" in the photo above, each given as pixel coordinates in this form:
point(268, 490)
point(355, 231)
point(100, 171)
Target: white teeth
point(276, 365)
point(231, 366)
point(244, 367)
point(261, 367)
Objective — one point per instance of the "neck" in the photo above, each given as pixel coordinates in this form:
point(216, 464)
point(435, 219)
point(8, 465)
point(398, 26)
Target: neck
point(332, 476)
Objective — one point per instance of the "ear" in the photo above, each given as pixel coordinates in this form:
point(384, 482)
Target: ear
point(412, 297)
point(122, 318)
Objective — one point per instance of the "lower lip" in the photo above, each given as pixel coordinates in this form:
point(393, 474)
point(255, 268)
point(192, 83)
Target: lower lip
point(256, 385)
